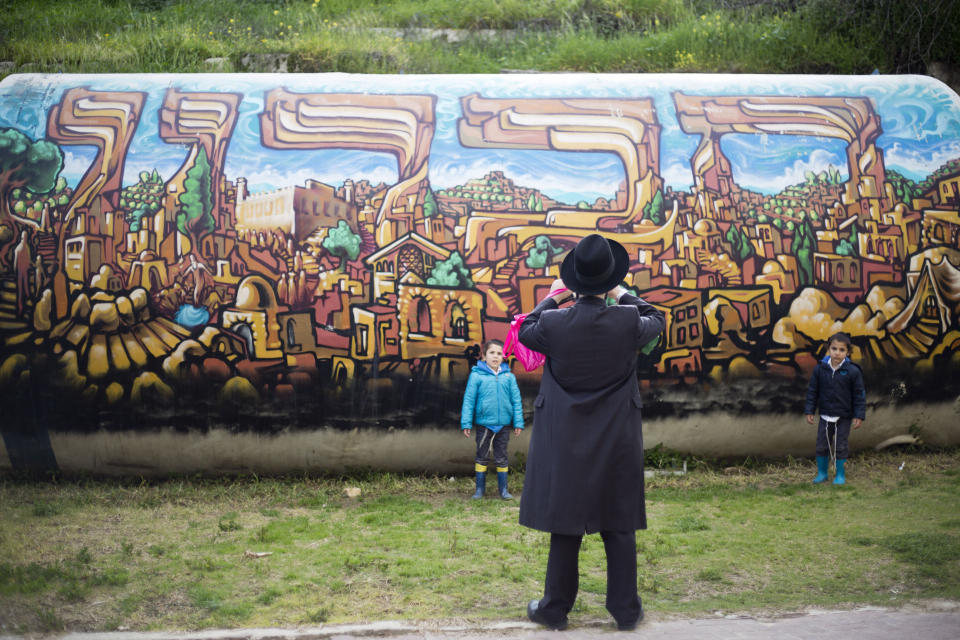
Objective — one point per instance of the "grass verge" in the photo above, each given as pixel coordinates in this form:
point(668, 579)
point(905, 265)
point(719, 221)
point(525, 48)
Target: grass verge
point(89, 554)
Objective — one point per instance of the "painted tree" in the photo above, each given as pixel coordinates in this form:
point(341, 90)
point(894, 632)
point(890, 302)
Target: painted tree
point(195, 218)
point(429, 204)
point(846, 248)
point(341, 241)
point(804, 246)
point(136, 217)
point(740, 243)
point(541, 252)
point(535, 202)
point(451, 273)
point(141, 199)
point(904, 188)
point(746, 245)
point(849, 246)
point(24, 163)
point(653, 210)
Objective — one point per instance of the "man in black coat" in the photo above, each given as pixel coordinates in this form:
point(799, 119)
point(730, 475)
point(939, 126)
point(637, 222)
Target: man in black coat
point(585, 463)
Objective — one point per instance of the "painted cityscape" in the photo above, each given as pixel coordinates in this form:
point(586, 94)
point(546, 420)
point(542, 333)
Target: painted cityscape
point(303, 251)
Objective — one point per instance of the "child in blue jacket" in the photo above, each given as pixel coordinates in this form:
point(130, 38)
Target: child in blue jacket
point(491, 401)
point(836, 386)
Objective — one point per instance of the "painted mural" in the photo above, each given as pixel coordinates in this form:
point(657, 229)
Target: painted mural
point(294, 252)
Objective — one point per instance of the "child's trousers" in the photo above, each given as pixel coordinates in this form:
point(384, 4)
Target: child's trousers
point(487, 440)
point(826, 430)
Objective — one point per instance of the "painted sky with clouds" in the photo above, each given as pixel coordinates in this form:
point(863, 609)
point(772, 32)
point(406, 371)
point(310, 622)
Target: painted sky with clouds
point(920, 119)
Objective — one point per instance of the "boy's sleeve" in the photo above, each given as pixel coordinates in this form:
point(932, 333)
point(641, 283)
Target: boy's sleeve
point(859, 397)
point(517, 403)
point(469, 402)
point(813, 391)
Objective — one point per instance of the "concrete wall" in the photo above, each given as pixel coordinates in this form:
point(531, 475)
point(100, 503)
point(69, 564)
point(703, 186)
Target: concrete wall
point(144, 330)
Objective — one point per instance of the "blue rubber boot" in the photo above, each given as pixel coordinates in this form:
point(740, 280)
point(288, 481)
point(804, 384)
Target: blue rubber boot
point(502, 485)
point(823, 463)
point(481, 485)
point(841, 473)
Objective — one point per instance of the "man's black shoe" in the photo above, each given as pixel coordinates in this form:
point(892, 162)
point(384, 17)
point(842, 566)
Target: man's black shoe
point(625, 626)
point(535, 616)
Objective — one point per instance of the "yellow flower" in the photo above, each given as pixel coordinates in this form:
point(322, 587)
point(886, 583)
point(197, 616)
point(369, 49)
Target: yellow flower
point(231, 20)
point(106, 35)
point(276, 12)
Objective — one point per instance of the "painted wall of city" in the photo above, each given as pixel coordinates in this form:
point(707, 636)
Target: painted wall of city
point(277, 252)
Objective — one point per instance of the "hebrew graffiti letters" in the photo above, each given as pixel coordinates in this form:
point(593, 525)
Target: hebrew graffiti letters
point(626, 127)
point(106, 120)
point(852, 120)
point(402, 125)
point(203, 120)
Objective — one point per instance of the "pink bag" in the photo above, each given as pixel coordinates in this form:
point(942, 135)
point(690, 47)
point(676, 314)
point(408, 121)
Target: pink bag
point(529, 358)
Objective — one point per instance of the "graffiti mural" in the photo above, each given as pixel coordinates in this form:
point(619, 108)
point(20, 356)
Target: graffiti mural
point(275, 253)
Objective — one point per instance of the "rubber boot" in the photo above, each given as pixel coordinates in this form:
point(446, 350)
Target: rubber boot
point(823, 463)
point(502, 484)
point(841, 473)
point(481, 484)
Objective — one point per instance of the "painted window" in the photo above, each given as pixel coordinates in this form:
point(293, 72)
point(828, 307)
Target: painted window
point(423, 317)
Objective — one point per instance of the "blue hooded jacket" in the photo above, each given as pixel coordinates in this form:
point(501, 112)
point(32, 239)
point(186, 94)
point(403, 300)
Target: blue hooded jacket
point(491, 400)
point(838, 393)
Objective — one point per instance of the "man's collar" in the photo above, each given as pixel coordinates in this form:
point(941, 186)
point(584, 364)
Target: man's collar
point(591, 300)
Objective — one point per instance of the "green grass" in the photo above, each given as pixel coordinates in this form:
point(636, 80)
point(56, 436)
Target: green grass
point(368, 36)
point(171, 554)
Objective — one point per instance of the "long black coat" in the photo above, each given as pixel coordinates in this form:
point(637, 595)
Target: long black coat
point(585, 464)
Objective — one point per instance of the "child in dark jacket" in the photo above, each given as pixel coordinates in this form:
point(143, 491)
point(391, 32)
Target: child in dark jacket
point(492, 402)
point(836, 386)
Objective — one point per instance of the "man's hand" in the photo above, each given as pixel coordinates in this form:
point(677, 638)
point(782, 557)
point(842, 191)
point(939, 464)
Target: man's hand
point(616, 292)
point(809, 418)
point(560, 297)
point(857, 422)
point(516, 432)
point(466, 432)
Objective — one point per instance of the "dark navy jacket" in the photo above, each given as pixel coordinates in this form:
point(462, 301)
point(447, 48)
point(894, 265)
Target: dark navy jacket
point(838, 393)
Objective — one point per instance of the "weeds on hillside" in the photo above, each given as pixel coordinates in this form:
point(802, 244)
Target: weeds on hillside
point(373, 36)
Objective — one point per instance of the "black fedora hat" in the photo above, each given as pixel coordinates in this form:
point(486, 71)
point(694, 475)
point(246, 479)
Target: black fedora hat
point(596, 265)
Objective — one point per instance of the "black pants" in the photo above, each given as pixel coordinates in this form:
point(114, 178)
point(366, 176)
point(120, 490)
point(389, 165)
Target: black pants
point(825, 430)
point(563, 576)
point(487, 440)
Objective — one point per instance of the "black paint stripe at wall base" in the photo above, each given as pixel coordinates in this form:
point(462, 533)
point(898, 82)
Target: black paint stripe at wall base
point(26, 432)
point(30, 451)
